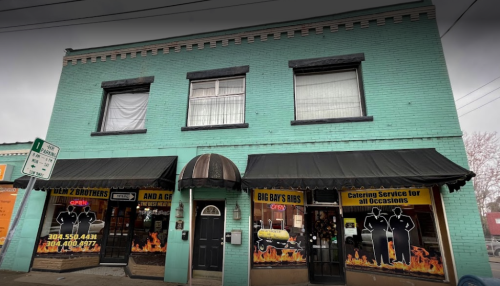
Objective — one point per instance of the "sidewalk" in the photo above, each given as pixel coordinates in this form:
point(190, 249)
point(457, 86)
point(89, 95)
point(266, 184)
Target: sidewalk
point(99, 276)
point(35, 278)
point(494, 259)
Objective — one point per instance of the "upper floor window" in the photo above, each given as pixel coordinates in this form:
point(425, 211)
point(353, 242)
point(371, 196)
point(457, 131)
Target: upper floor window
point(324, 95)
point(217, 101)
point(125, 111)
point(124, 105)
point(329, 90)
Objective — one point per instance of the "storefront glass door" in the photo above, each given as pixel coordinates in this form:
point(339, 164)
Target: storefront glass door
point(118, 232)
point(325, 245)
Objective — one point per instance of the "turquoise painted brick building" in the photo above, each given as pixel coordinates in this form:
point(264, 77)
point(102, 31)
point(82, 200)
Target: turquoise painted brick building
point(311, 114)
point(12, 157)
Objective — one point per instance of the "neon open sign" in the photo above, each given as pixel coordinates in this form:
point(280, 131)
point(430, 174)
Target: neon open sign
point(280, 208)
point(79, 203)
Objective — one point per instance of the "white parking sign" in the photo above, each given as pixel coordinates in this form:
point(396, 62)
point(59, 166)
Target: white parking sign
point(41, 160)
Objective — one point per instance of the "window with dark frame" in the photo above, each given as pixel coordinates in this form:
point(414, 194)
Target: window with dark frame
point(125, 110)
point(328, 94)
point(329, 90)
point(218, 101)
point(124, 106)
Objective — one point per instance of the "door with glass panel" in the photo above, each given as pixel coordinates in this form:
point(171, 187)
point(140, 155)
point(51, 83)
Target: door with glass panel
point(325, 245)
point(118, 232)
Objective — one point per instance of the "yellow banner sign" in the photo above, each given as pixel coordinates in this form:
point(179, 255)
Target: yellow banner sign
point(386, 197)
point(155, 196)
point(82, 193)
point(278, 197)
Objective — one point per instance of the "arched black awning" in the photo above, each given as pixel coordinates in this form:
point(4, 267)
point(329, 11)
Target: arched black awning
point(212, 171)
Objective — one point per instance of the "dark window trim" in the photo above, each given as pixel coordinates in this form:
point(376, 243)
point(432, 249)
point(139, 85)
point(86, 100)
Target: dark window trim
point(332, 120)
point(124, 132)
point(135, 85)
point(325, 65)
point(128, 82)
point(215, 73)
point(326, 61)
point(212, 127)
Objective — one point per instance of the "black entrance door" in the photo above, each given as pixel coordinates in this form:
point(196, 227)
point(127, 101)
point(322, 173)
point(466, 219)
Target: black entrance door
point(118, 232)
point(325, 245)
point(209, 236)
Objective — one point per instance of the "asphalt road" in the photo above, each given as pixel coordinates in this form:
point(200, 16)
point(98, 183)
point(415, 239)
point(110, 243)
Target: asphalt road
point(495, 269)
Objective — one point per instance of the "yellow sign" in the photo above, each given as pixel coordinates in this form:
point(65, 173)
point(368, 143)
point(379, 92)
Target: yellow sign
point(155, 196)
point(82, 193)
point(386, 197)
point(7, 200)
point(278, 197)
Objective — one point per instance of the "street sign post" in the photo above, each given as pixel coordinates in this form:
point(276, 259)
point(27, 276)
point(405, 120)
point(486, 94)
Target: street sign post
point(41, 160)
point(39, 164)
point(129, 197)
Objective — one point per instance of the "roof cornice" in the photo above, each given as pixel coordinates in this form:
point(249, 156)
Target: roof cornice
point(263, 34)
point(14, 152)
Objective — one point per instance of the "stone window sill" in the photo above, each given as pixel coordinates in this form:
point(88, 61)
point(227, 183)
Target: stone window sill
point(211, 127)
point(332, 120)
point(137, 131)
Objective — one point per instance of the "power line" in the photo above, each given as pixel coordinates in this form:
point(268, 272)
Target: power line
point(105, 15)
point(142, 17)
point(479, 107)
point(458, 19)
point(35, 6)
point(478, 98)
point(478, 88)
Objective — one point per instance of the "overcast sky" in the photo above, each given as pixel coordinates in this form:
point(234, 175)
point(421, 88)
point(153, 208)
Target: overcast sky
point(31, 60)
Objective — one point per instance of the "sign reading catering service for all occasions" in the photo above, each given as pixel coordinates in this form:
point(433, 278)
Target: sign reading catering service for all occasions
point(82, 193)
point(386, 197)
point(278, 197)
point(41, 160)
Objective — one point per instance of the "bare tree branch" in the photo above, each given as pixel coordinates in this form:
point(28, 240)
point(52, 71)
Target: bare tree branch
point(483, 153)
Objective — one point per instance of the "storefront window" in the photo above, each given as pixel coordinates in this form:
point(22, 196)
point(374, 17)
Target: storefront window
point(278, 229)
point(392, 231)
point(151, 227)
point(151, 222)
point(74, 222)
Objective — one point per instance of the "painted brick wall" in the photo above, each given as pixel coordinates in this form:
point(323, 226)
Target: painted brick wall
point(407, 91)
point(20, 252)
point(21, 248)
point(15, 160)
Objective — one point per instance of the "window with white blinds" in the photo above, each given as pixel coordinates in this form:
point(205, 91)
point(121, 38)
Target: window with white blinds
point(217, 102)
point(327, 95)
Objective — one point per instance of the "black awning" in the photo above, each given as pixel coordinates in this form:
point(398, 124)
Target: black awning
point(354, 169)
point(134, 172)
point(211, 171)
